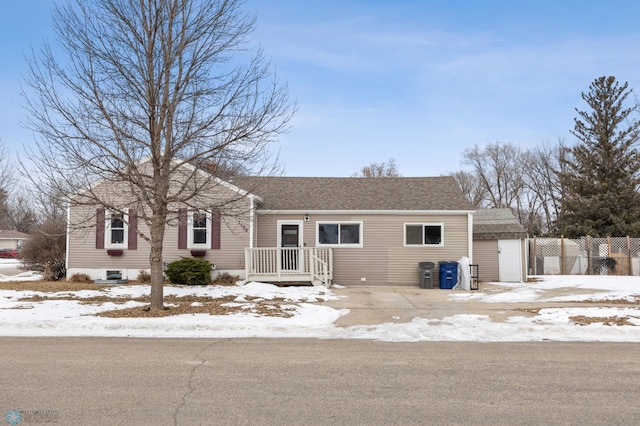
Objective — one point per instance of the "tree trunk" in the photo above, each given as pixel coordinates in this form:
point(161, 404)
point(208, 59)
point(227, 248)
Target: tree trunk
point(157, 268)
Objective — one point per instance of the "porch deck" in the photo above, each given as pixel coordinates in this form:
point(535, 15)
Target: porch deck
point(289, 265)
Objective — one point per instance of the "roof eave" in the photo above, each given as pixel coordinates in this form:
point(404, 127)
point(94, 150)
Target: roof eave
point(389, 212)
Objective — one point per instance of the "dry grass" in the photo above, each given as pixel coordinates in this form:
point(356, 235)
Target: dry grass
point(49, 286)
point(615, 320)
point(585, 320)
point(632, 300)
point(174, 305)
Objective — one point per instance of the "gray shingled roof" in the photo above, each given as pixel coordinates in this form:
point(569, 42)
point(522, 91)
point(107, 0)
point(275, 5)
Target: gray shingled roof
point(321, 193)
point(492, 224)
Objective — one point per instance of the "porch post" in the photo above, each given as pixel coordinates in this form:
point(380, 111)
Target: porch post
point(279, 263)
point(247, 263)
point(313, 254)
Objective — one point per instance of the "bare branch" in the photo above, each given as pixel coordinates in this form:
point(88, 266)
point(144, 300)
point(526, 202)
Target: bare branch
point(147, 90)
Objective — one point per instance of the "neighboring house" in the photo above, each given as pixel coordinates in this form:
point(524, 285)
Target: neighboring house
point(499, 246)
point(12, 239)
point(366, 231)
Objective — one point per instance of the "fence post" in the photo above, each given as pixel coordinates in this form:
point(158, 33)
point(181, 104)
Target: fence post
point(562, 272)
point(609, 271)
point(588, 255)
point(535, 259)
point(629, 256)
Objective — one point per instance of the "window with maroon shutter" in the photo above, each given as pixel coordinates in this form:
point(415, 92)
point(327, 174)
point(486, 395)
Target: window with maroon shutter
point(115, 230)
point(100, 223)
point(133, 230)
point(215, 229)
point(199, 230)
point(182, 228)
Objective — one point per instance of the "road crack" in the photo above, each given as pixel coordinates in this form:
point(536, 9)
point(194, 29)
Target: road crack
point(190, 386)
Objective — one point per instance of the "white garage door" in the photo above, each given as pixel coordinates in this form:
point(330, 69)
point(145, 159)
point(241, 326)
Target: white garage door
point(510, 260)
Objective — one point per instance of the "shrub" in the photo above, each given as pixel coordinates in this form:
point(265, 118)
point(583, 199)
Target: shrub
point(190, 271)
point(45, 251)
point(144, 277)
point(226, 279)
point(80, 278)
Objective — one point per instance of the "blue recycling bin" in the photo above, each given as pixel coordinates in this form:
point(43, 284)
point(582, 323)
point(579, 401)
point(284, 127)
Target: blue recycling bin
point(448, 274)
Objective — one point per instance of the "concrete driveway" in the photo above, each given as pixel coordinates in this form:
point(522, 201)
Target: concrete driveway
point(377, 305)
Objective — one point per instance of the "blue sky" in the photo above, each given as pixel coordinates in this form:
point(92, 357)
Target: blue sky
point(418, 81)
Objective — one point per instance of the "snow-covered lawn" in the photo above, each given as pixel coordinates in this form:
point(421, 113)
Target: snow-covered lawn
point(31, 313)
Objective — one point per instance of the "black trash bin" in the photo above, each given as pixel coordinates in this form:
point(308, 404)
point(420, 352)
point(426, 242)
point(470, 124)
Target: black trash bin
point(426, 274)
point(448, 274)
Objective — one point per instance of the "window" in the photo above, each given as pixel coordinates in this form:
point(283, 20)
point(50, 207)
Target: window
point(199, 230)
point(343, 234)
point(116, 230)
point(114, 274)
point(424, 234)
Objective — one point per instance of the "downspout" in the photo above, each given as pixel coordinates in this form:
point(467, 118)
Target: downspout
point(66, 254)
point(252, 216)
point(470, 234)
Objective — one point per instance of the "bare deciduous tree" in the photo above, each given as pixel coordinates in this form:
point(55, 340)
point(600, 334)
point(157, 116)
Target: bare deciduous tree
point(472, 187)
point(379, 170)
point(171, 82)
point(543, 185)
point(6, 185)
point(23, 215)
point(499, 170)
point(526, 181)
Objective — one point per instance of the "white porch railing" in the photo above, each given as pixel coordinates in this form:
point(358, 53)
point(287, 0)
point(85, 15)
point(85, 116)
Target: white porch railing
point(280, 264)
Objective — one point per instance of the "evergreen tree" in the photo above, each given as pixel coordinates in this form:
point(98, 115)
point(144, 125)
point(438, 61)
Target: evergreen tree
point(600, 175)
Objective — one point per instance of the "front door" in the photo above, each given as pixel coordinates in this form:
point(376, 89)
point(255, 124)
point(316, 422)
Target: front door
point(290, 241)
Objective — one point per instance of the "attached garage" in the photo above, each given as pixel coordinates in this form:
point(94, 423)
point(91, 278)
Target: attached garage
point(499, 247)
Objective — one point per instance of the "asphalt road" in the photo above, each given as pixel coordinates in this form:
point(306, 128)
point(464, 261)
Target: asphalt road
point(105, 381)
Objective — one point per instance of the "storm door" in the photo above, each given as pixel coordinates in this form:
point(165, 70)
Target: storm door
point(290, 241)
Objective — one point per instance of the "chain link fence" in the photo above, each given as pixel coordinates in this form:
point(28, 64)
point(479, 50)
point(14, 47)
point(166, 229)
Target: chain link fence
point(584, 256)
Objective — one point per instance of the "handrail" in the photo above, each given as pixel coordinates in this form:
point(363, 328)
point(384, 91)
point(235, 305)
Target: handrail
point(282, 264)
point(324, 276)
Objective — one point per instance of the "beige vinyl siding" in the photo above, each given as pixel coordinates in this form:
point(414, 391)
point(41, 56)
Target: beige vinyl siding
point(233, 240)
point(403, 261)
point(485, 255)
point(383, 259)
point(82, 252)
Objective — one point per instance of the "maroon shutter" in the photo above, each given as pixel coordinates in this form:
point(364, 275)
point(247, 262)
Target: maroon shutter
point(133, 230)
point(215, 229)
point(100, 228)
point(182, 228)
